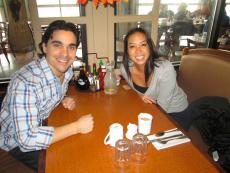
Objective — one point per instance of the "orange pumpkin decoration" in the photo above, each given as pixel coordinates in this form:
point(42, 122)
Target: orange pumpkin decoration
point(83, 2)
point(96, 2)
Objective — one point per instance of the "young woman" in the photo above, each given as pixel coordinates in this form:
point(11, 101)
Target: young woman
point(152, 77)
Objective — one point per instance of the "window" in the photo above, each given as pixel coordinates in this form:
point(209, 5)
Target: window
point(134, 7)
point(137, 12)
point(58, 8)
point(179, 26)
point(121, 30)
point(192, 5)
point(2, 12)
point(223, 40)
point(64, 8)
point(176, 24)
point(227, 8)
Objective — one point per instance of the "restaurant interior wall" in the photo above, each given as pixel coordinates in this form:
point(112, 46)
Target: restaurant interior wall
point(101, 23)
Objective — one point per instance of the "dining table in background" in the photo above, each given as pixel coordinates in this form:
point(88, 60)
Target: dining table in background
point(87, 153)
point(190, 42)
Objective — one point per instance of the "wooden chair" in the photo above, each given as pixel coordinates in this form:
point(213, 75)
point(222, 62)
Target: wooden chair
point(204, 72)
point(23, 32)
point(8, 164)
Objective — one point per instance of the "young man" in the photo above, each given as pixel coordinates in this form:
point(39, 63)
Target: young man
point(35, 90)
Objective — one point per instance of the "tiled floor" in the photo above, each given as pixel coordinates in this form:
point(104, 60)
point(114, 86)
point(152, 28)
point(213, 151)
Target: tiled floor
point(6, 69)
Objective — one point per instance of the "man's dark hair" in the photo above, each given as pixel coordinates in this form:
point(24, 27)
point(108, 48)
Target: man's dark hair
point(149, 66)
point(55, 26)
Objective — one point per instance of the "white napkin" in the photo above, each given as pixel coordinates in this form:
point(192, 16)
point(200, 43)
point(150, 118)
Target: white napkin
point(171, 143)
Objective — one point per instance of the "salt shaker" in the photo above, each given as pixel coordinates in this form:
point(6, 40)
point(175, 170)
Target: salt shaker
point(132, 130)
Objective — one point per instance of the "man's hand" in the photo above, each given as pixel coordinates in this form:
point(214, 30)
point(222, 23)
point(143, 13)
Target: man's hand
point(85, 124)
point(69, 103)
point(147, 99)
point(82, 125)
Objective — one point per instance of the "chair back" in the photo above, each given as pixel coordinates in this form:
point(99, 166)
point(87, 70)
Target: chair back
point(20, 37)
point(205, 72)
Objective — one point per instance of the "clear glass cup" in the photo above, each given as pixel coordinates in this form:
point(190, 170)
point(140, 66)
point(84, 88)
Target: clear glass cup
point(139, 148)
point(122, 153)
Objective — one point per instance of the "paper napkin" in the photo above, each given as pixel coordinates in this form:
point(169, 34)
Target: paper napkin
point(170, 143)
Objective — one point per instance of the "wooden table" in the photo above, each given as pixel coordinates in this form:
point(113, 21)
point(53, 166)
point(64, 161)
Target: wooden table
point(88, 154)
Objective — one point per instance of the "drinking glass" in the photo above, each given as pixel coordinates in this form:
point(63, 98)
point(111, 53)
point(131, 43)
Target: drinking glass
point(122, 153)
point(139, 148)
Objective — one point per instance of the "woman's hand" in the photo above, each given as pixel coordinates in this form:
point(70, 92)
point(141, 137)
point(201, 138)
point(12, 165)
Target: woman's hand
point(147, 99)
point(69, 103)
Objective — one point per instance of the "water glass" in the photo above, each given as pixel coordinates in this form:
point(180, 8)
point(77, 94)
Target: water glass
point(122, 153)
point(139, 148)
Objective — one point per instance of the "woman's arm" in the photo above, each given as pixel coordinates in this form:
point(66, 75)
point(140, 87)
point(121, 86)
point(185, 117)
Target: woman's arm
point(167, 85)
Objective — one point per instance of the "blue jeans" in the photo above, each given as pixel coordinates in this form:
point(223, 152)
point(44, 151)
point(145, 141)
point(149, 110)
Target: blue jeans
point(183, 118)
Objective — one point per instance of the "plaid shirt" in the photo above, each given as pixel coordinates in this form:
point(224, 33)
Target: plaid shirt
point(34, 91)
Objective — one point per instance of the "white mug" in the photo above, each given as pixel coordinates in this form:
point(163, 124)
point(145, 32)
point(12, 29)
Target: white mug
point(144, 123)
point(115, 133)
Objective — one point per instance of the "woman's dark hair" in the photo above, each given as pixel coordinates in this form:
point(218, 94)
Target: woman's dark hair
point(58, 25)
point(150, 64)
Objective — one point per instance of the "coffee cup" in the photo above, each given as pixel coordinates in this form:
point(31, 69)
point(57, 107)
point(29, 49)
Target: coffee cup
point(115, 133)
point(144, 123)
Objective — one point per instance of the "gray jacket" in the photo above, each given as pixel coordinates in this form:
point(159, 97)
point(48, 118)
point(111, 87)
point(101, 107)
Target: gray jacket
point(163, 87)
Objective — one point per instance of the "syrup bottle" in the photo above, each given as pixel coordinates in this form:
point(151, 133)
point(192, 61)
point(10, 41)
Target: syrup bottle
point(82, 81)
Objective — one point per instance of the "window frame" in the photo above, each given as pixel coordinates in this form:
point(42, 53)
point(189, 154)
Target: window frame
point(60, 6)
